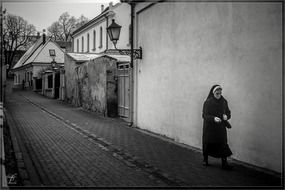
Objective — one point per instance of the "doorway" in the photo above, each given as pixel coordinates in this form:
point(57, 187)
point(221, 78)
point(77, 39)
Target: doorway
point(124, 90)
point(56, 85)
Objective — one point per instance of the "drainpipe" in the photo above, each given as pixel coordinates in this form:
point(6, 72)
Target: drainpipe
point(132, 63)
point(107, 24)
point(1, 52)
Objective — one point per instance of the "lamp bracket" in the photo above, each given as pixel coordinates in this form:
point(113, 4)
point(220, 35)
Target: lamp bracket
point(137, 53)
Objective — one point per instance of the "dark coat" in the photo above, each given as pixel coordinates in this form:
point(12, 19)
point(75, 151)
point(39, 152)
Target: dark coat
point(215, 134)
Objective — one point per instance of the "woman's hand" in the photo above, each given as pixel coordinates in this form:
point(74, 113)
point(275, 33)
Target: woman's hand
point(217, 120)
point(225, 117)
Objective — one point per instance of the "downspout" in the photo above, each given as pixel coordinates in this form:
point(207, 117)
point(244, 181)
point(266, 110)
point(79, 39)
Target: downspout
point(1, 52)
point(107, 24)
point(132, 63)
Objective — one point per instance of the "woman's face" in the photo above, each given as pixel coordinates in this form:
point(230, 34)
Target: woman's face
point(218, 94)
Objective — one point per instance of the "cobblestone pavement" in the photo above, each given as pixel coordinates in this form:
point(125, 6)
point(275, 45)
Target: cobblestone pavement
point(70, 146)
point(63, 156)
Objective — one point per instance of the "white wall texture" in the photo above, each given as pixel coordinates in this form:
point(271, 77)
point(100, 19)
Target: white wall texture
point(187, 48)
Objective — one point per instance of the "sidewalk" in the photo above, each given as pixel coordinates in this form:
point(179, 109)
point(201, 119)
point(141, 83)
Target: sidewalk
point(174, 164)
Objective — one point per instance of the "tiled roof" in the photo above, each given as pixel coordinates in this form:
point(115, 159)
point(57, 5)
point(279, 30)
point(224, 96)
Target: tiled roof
point(29, 53)
point(38, 54)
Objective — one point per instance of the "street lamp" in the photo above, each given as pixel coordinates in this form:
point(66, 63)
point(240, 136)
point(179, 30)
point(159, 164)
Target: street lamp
point(113, 31)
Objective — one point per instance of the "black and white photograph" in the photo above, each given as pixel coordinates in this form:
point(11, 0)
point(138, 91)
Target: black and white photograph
point(142, 94)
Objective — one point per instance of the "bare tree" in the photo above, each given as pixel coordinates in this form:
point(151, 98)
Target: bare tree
point(62, 29)
point(68, 24)
point(17, 34)
point(81, 21)
point(54, 31)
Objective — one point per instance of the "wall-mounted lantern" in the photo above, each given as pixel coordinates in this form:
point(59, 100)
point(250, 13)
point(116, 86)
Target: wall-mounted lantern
point(113, 31)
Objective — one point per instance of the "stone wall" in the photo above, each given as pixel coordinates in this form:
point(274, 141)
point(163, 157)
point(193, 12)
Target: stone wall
point(88, 85)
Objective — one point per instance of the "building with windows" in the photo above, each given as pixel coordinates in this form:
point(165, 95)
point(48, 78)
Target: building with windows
point(92, 37)
point(91, 41)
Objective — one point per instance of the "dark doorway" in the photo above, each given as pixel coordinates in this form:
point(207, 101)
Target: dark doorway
point(56, 85)
point(38, 84)
point(112, 97)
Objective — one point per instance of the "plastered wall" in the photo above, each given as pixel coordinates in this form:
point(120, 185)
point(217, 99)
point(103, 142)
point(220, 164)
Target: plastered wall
point(187, 48)
point(91, 84)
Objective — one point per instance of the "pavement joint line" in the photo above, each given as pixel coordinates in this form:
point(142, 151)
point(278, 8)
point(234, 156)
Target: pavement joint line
point(99, 140)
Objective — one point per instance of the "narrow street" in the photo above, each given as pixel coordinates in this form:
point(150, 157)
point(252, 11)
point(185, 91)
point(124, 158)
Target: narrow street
point(61, 145)
point(61, 155)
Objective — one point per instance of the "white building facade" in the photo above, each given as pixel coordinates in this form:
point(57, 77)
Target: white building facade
point(189, 47)
point(28, 70)
point(93, 38)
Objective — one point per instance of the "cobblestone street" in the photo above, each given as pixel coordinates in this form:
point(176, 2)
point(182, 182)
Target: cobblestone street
point(61, 145)
point(62, 156)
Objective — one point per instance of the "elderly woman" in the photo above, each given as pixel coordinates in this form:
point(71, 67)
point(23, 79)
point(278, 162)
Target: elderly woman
point(215, 114)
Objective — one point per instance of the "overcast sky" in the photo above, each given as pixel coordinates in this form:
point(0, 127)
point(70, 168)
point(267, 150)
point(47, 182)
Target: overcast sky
point(42, 13)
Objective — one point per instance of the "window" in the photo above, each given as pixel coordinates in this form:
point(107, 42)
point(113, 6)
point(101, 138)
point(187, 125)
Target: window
point(94, 40)
point(50, 81)
point(77, 45)
point(88, 42)
point(51, 52)
point(82, 48)
point(101, 37)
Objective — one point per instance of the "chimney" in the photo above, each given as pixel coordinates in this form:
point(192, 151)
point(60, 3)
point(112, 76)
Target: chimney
point(44, 36)
point(111, 6)
point(102, 8)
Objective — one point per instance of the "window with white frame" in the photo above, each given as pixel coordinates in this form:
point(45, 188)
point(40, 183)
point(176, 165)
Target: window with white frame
point(94, 40)
point(101, 37)
point(77, 45)
point(82, 44)
point(88, 38)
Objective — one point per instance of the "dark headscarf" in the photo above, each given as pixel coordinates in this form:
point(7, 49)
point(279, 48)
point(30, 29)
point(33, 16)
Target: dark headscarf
point(211, 94)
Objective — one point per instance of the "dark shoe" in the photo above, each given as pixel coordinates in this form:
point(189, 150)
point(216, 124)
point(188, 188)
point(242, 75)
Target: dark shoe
point(226, 167)
point(225, 164)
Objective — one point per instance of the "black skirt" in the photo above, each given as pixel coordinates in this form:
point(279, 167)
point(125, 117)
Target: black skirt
point(217, 150)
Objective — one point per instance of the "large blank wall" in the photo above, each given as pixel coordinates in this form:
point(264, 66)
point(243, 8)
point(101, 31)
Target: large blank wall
point(187, 48)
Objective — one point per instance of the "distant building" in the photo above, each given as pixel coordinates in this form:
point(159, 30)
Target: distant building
point(90, 43)
point(92, 37)
point(30, 72)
